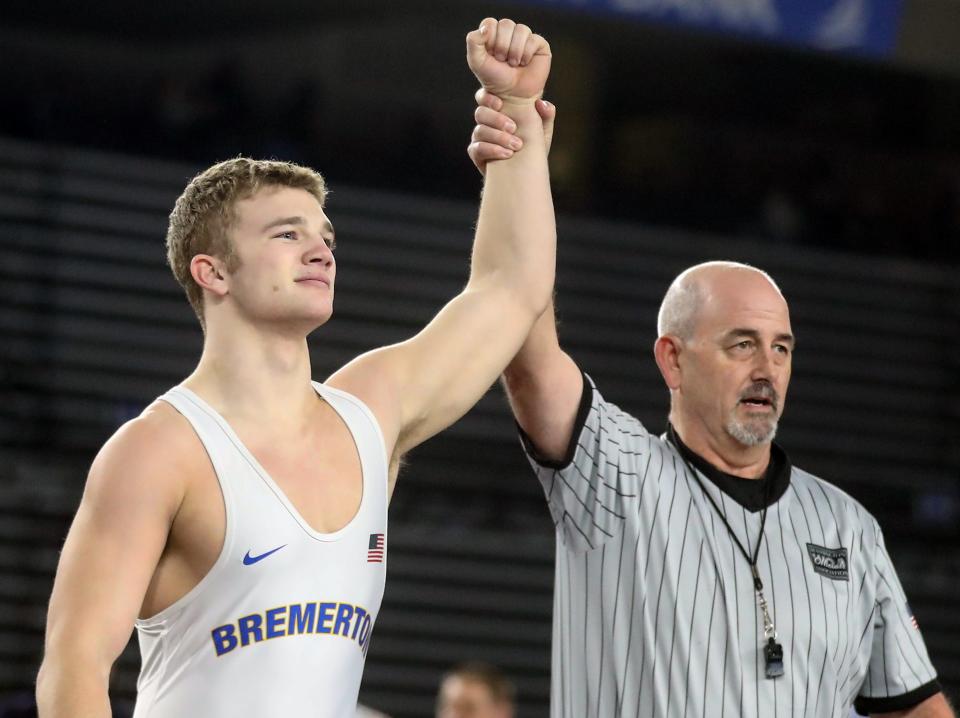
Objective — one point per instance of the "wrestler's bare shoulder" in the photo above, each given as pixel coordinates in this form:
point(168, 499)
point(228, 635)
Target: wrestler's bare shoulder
point(159, 445)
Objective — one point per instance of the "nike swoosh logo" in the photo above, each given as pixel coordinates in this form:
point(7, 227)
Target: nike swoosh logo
point(249, 560)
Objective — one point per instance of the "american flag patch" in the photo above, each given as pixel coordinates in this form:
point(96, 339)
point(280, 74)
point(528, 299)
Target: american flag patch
point(375, 550)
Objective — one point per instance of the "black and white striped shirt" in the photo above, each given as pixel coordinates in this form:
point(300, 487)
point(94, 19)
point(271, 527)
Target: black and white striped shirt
point(655, 612)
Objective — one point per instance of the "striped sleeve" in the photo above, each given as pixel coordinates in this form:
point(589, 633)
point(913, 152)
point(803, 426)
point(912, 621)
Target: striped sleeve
point(900, 674)
point(588, 489)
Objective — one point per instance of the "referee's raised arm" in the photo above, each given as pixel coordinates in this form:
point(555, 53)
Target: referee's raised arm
point(544, 386)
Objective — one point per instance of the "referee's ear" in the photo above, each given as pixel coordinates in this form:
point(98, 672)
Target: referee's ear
point(666, 350)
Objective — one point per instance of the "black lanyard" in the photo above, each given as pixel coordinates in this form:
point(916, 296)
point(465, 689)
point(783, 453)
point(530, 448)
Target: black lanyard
point(772, 651)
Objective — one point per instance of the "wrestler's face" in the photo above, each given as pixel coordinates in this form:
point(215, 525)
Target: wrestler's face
point(737, 363)
point(284, 243)
point(462, 697)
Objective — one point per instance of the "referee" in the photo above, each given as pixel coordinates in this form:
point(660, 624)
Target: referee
point(698, 572)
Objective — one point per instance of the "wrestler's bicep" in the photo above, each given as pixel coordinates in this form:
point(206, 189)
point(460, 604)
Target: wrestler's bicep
point(113, 546)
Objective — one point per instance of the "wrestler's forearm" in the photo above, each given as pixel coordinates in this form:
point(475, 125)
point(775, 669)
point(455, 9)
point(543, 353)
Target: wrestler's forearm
point(515, 242)
point(72, 689)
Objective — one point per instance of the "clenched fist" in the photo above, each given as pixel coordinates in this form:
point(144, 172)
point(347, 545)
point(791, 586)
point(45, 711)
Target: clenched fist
point(509, 60)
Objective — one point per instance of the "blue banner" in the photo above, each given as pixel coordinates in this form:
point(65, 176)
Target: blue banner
point(862, 27)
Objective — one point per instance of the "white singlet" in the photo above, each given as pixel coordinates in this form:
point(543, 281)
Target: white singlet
point(280, 626)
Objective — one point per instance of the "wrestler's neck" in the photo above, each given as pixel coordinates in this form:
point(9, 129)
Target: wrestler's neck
point(718, 448)
point(255, 371)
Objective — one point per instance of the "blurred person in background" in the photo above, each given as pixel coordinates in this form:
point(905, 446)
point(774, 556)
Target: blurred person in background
point(475, 690)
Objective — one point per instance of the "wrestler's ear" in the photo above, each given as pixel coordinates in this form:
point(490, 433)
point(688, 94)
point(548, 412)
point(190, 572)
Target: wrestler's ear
point(667, 350)
point(210, 273)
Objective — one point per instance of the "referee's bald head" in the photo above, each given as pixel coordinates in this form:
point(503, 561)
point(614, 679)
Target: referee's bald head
point(686, 294)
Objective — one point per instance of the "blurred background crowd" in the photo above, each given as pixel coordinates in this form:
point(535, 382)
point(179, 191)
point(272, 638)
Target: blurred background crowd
point(711, 123)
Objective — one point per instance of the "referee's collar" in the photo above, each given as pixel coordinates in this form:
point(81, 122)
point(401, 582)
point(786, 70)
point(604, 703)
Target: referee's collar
point(752, 494)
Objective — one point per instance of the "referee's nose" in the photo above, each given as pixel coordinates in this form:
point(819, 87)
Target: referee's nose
point(768, 365)
point(771, 366)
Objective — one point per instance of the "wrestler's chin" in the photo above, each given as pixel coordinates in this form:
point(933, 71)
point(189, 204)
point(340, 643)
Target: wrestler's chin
point(301, 321)
point(317, 312)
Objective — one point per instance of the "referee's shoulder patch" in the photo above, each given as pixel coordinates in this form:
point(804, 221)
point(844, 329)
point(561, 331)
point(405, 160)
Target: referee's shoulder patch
point(830, 562)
